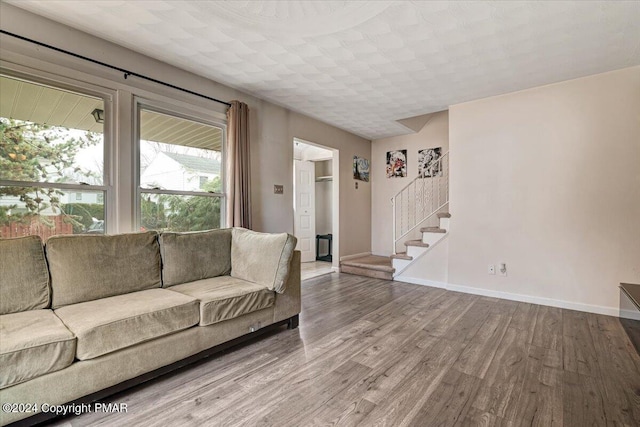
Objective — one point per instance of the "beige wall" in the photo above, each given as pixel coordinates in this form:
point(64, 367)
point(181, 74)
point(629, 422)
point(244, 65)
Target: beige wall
point(547, 180)
point(272, 127)
point(434, 134)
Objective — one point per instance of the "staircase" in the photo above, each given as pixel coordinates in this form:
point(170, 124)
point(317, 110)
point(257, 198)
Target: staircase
point(424, 198)
point(386, 268)
point(378, 267)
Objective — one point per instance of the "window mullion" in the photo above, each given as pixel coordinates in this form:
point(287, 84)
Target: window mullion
point(57, 185)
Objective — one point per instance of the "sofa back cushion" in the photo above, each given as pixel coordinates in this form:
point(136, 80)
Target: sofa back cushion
point(187, 257)
point(24, 278)
point(262, 258)
point(90, 267)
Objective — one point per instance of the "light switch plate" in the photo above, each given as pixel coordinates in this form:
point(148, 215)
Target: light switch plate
point(278, 189)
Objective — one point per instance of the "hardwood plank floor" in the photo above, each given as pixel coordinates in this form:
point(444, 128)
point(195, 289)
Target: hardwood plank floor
point(374, 352)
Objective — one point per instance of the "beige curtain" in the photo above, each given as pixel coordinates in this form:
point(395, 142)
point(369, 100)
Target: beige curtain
point(239, 164)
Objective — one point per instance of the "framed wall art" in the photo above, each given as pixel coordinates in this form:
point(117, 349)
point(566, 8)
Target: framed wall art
point(427, 162)
point(360, 168)
point(396, 164)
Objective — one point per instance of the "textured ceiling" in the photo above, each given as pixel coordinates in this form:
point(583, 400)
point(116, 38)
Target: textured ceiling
point(363, 65)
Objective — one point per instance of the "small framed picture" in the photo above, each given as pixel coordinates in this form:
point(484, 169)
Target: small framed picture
point(428, 165)
point(396, 164)
point(360, 169)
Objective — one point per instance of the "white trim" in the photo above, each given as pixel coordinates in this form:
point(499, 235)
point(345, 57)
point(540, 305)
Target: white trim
point(44, 77)
point(180, 192)
point(190, 113)
point(423, 282)
point(589, 308)
point(335, 196)
point(20, 58)
point(335, 269)
point(354, 256)
point(628, 314)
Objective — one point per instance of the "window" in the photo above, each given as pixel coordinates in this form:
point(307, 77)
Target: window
point(180, 173)
point(51, 160)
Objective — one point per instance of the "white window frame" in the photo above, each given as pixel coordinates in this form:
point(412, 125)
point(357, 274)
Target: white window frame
point(83, 88)
point(120, 186)
point(195, 115)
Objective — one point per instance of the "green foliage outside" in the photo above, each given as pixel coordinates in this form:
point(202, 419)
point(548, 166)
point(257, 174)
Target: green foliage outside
point(181, 213)
point(83, 213)
point(39, 153)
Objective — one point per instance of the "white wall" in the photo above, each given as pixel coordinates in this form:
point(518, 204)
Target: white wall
point(435, 133)
point(272, 127)
point(303, 151)
point(431, 269)
point(324, 196)
point(547, 180)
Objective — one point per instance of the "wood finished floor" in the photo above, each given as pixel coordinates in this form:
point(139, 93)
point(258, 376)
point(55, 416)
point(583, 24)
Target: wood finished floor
point(373, 352)
point(315, 269)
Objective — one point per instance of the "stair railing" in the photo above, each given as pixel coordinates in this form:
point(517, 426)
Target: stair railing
point(421, 198)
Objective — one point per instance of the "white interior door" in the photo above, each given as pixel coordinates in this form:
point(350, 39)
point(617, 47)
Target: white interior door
point(304, 224)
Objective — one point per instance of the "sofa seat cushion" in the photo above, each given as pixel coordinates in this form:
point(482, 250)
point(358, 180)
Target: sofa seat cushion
point(225, 297)
point(33, 343)
point(110, 324)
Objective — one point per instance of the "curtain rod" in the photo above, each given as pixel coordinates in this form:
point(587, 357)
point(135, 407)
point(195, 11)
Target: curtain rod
point(127, 73)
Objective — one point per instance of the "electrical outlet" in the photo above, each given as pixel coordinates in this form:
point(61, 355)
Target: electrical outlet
point(491, 269)
point(278, 189)
point(502, 269)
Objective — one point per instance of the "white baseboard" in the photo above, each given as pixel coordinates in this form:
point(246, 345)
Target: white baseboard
point(347, 257)
point(589, 308)
point(423, 282)
point(335, 269)
point(629, 314)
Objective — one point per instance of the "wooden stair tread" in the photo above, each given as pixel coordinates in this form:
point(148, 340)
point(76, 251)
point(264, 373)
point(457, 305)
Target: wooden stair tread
point(432, 230)
point(419, 243)
point(371, 262)
point(402, 255)
point(444, 215)
point(366, 272)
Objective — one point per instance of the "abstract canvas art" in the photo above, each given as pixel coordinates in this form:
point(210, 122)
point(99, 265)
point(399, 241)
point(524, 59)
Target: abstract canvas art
point(396, 164)
point(427, 162)
point(360, 168)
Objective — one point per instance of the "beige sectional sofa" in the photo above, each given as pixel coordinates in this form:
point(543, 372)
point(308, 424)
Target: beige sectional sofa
point(85, 316)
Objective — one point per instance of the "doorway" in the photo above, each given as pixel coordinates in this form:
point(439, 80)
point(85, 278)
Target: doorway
point(316, 200)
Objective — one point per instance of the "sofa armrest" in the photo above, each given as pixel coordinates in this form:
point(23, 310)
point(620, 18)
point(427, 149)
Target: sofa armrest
point(288, 303)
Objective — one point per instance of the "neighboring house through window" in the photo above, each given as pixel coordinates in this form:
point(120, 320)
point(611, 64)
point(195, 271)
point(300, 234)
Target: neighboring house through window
point(180, 172)
point(62, 173)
